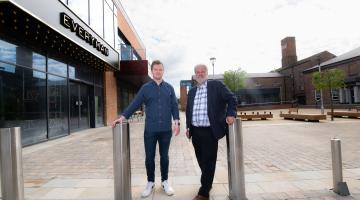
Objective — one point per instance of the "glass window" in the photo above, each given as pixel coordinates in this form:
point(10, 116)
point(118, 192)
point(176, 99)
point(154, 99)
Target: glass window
point(99, 111)
point(317, 95)
point(99, 77)
point(81, 9)
point(58, 106)
point(57, 67)
point(7, 52)
point(96, 16)
point(21, 56)
point(81, 72)
point(118, 45)
point(7, 67)
point(23, 103)
point(109, 23)
point(122, 96)
point(126, 52)
point(335, 94)
point(39, 61)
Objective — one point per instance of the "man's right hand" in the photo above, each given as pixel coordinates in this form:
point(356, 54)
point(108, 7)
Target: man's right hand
point(187, 134)
point(118, 121)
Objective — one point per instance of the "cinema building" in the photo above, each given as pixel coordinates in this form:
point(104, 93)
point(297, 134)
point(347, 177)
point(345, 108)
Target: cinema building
point(66, 65)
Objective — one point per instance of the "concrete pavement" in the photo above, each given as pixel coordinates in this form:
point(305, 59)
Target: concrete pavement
point(283, 160)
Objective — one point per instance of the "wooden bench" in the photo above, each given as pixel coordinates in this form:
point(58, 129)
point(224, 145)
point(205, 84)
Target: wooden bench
point(304, 117)
point(348, 114)
point(357, 108)
point(293, 110)
point(262, 116)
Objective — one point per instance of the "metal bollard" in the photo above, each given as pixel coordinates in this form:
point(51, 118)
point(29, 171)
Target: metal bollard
point(236, 162)
point(122, 167)
point(12, 182)
point(340, 187)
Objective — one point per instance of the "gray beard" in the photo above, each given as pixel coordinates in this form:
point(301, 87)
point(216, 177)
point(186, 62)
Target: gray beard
point(200, 80)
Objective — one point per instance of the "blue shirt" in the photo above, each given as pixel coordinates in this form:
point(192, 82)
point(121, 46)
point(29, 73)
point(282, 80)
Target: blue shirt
point(160, 104)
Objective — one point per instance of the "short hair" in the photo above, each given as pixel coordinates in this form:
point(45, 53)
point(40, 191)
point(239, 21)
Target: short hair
point(155, 62)
point(200, 65)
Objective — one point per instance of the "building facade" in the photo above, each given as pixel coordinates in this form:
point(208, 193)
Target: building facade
point(61, 65)
point(292, 83)
point(349, 95)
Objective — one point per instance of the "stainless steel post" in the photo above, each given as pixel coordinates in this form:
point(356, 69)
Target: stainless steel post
point(339, 186)
point(122, 168)
point(236, 162)
point(12, 182)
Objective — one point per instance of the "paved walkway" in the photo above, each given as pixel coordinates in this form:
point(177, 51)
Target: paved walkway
point(283, 160)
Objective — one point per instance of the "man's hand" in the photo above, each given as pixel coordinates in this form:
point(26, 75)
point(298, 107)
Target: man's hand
point(118, 121)
point(176, 129)
point(187, 134)
point(230, 120)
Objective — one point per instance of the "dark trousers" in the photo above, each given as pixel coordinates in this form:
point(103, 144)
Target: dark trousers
point(206, 147)
point(150, 140)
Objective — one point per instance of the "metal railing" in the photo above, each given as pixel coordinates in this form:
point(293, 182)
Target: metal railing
point(11, 171)
point(236, 162)
point(122, 165)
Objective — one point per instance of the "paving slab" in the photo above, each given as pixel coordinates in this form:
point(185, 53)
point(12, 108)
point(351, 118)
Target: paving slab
point(283, 160)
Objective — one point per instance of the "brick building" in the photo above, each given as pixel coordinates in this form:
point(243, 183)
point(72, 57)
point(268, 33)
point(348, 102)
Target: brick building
point(348, 62)
point(292, 83)
point(293, 69)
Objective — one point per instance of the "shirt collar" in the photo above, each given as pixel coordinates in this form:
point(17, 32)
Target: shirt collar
point(154, 82)
point(203, 85)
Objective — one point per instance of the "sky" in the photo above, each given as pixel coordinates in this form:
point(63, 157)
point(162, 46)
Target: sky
point(240, 33)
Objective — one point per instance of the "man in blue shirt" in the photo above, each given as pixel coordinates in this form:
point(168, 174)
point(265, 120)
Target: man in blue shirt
point(160, 104)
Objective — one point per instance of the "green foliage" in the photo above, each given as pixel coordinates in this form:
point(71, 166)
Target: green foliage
point(235, 79)
point(328, 79)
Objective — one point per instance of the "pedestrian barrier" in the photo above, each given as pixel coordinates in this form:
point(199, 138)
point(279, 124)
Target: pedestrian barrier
point(236, 161)
point(122, 165)
point(339, 186)
point(11, 171)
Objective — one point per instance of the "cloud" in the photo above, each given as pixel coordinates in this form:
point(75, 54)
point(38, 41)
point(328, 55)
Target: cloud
point(240, 33)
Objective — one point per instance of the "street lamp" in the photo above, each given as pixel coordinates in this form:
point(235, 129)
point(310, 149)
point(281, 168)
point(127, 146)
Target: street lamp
point(212, 60)
point(321, 93)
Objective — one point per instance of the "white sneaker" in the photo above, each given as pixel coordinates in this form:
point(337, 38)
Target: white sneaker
point(167, 188)
point(148, 189)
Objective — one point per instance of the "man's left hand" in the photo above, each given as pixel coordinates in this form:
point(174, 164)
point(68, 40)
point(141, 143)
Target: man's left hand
point(230, 120)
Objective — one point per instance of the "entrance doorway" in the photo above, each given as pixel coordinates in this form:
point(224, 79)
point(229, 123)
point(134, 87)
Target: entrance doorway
point(79, 106)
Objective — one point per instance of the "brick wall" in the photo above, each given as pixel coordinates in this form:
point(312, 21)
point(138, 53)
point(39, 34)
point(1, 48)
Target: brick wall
point(183, 98)
point(350, 69)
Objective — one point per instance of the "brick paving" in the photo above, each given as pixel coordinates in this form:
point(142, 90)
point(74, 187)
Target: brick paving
point(283, 160)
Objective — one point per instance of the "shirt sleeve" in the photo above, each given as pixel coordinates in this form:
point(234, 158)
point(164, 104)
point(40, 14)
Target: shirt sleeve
point(174, 105)
point(135, 104)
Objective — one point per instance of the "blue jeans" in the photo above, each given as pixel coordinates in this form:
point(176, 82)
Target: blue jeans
point(150, 140)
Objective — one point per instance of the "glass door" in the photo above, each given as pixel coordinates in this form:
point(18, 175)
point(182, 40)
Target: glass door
point(79, 107)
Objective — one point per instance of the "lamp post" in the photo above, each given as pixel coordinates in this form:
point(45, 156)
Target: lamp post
point(212, 60)
point(321, 92)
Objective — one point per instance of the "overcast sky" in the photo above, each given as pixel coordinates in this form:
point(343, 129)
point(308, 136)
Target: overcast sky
point(240, 33)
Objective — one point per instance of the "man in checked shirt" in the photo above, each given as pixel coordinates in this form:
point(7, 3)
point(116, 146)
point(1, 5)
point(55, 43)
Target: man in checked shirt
point(211, 107)
point(160, 105)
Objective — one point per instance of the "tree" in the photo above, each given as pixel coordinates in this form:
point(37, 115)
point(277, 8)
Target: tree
point(235, 79)
point(328, 80)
